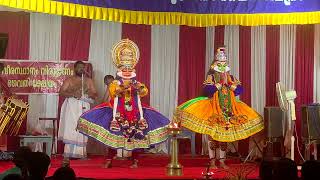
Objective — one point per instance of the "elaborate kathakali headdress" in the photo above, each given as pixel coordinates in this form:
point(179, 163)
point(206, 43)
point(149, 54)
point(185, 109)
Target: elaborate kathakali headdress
point(221, 54)
point(125, 56)
point(220, 62)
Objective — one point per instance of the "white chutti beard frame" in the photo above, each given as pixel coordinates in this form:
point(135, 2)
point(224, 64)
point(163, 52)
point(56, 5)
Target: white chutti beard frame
point(133, 74)
point(217, 69)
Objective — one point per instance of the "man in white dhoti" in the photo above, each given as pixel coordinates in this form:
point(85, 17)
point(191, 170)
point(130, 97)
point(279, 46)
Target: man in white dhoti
point(79, 90)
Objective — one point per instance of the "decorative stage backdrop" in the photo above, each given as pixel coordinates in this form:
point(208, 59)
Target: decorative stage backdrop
point(174, 59)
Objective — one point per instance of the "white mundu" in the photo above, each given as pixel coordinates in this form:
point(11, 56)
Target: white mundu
point(75, 142)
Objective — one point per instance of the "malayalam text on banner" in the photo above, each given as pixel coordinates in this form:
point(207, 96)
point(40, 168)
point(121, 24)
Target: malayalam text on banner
point(37, 77)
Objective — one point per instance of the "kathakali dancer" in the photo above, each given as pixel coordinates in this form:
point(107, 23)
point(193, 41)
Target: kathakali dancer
point(123, 123)
point(219, 114)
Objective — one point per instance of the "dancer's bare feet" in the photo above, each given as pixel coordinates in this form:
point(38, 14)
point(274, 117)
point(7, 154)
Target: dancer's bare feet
point(213, 164)
point(108, 163)
point(223, 165)
point(65, 162)
point(134, 164)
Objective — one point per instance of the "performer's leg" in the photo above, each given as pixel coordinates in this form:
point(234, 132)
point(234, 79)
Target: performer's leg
point(66, 159)
point(120, 154)
point(65, 162)
point(212, 147)
point(134, 159)
point(222, 154)
point(109, 154)
point(211, 151)
point(84, 153)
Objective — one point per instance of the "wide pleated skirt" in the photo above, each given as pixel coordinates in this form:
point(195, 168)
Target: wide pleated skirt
point(96, 124)
point(204, 115)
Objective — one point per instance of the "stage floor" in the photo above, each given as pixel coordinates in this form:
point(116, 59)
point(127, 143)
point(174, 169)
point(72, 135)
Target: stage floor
point(151, 166)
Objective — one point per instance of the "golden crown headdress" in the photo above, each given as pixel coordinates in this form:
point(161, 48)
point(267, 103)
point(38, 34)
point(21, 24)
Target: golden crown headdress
point(221, 54)
point(125, 54)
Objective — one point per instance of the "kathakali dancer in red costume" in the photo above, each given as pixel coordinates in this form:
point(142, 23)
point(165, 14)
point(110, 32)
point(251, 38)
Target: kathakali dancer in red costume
point(123, 123)
point(219, 114)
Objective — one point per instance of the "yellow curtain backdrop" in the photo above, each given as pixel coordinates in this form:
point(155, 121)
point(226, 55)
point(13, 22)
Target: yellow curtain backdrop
point(162, 18)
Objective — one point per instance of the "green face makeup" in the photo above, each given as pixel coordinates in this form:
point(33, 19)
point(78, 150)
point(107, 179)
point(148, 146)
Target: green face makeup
point(222, 67)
